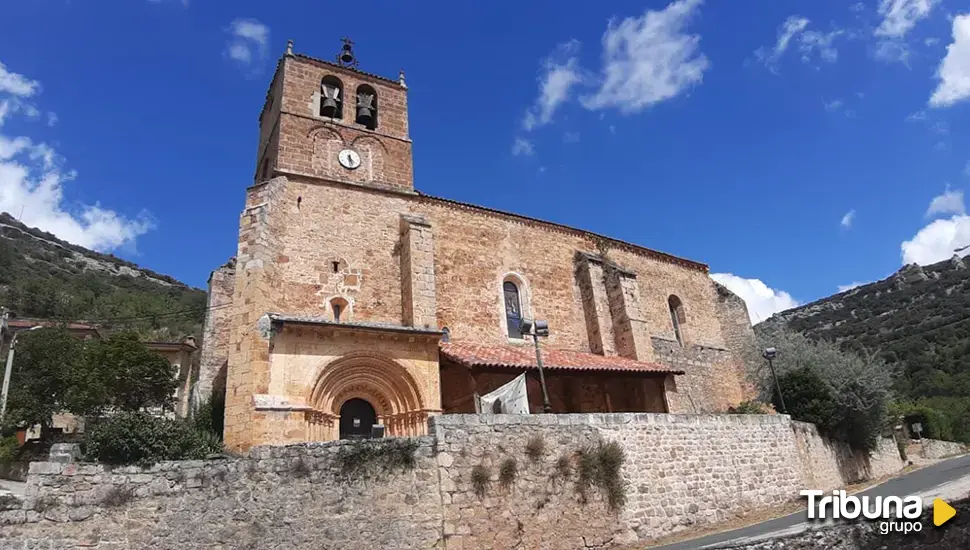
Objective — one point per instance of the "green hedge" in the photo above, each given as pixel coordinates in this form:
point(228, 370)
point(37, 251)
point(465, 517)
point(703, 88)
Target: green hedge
point(143, 439)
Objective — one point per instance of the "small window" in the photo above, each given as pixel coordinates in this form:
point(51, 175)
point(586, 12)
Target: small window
point(336, 266)
point(339, 307)
point(513, 309)
point(331, 97)
point(366, 107)
point(677, 317)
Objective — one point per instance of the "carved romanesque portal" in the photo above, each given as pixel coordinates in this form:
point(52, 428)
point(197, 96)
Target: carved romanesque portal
point(360, 389)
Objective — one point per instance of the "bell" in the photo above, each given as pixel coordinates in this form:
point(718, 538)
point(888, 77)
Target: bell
point(329, 107)
point(330, 98)
point(365, 115)
point(365, 109)
point(347, 57)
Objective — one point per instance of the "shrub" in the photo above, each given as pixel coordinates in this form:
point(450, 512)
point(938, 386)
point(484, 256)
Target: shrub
point(9, 447)
point(507, 472)
point(361, 457)
point(480, 479)
point(751, 407)
point(210, 416)
point(144, 439)
point(535, 448)
point(845, 393)
point(599, 465)
point(564, 467)
point(935, 423)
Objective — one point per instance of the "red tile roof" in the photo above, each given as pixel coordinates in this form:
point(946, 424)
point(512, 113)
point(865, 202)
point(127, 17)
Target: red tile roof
point(477, 355)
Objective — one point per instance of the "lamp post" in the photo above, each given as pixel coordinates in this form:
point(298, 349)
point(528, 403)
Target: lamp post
point(537, 329)
point(7, 371)
point(770, 354)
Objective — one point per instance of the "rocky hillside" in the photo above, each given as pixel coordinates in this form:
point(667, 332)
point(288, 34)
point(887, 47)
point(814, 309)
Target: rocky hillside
point(43, 276)
point(918, 319)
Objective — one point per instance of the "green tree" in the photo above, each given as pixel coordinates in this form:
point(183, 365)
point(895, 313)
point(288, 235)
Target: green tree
point(46, 362)
point(845, 394)
point(124, 374)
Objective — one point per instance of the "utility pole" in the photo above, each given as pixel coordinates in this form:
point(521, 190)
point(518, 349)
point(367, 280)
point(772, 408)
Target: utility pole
point(6, 371)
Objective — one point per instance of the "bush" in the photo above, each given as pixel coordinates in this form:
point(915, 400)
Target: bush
point(143, 439)
point(935, 423)
point(210, 415)
point(599, 465)
point(845, 394)
point(751, 407)
point(9, 447)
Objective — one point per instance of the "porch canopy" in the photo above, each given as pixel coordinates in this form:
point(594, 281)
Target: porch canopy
point(577, 381)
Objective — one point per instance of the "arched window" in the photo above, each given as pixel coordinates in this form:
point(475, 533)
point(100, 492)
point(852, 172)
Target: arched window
point(366, 106)
point(331, 97)
point(677, 317)
point(513, 309)
point(340, 307)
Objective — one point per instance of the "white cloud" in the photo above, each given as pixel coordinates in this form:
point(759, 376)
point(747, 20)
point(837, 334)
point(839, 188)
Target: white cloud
point(810, 43)
point(32, 179)
point(847, 219)
point(248, 44)
point(762, 300)
point(850, 286)
point(821, 43)
point(900, 16)
point(523, 146)
point(570, 137)
point(792, 26)
point(892, 51)
point(937, 241)
point(950, 202)
point(834, 105)
point(16, 84)
point(954, 70)
point(918, 116)
point(649, 59)
point(51, 118)
point(559, 74)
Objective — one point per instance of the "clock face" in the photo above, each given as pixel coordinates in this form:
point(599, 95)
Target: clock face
point(349, 159)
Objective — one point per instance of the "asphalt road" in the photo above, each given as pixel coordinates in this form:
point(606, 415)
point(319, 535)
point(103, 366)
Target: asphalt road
point(916, 482)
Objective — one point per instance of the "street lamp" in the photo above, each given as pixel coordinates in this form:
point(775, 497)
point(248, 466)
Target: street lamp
point(770, 354)
point(537, 329)
point(6, 373)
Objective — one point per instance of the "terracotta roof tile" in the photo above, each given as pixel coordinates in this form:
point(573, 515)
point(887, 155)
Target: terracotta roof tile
point(511, 356)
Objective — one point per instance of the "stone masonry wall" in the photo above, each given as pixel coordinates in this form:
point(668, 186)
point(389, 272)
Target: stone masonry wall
point(829, 465)
point(712, 381)
point(279, 497)
point(679, 471)
point(215, 333)
point(934, 448)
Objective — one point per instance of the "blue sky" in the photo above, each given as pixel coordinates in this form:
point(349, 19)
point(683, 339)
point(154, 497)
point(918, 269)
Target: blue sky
point(796, 147)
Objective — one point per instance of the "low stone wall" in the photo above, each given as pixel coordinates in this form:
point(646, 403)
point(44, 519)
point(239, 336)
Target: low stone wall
point(934, 448)
point(827, 464)
point(478, 481)
point(283, 497)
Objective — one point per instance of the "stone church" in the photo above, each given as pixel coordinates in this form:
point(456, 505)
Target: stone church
point(354, 299)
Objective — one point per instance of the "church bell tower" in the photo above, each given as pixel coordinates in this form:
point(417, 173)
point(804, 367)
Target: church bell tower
point(328, 120)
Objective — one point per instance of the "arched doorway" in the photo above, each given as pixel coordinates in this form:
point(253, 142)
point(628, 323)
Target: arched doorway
point(390, 392)
point(357, 416)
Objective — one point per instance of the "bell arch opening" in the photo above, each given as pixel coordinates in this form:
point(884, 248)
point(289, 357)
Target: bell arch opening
point(381, 382)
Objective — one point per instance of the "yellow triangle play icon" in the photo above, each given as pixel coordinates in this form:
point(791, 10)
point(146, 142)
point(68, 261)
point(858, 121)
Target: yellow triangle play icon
point(942, 512)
